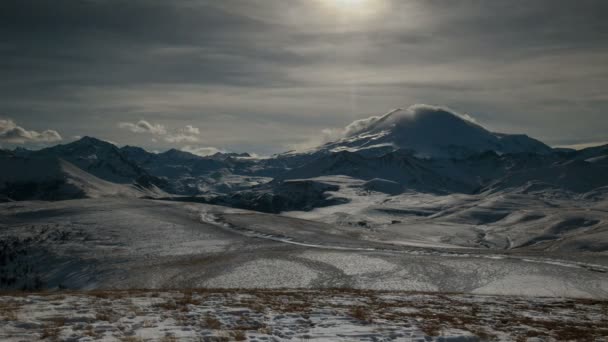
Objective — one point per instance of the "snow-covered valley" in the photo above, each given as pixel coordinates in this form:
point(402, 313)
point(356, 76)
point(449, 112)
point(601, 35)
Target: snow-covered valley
point(112, 243)
point(417, 200)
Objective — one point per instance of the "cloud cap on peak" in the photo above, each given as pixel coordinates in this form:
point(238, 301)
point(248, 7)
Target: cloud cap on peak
point(433, 131)
point(413, 114)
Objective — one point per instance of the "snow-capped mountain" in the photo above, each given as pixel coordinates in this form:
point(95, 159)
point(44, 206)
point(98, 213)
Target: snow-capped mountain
point(422, 149)
point(191, 174)
point(433, 132)
point(101, 159)
point(49, 178)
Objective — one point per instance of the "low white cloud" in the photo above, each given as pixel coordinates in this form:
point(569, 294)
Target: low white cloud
point(11, 133)
point(202, 151)
point(189, 129)
point(358, 126)
point(411, 113)
point(188, 133)
point(424, 109)
point(143, 126)
point(179, 137)
point(111, 142)
point(581, 146)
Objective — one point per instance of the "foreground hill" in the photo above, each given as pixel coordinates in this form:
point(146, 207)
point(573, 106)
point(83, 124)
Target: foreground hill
point(288, 315)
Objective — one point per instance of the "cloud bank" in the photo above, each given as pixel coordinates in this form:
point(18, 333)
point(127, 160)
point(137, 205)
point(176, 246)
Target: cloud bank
point(202, 151)
point(11, 133)
point(143, 126)
point(188, 133)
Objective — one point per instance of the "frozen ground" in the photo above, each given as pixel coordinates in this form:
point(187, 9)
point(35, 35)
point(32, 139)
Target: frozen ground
point(546, 221)
point(121, 244)
point(283, 315)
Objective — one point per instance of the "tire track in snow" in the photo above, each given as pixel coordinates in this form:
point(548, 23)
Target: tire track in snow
point(216, 220)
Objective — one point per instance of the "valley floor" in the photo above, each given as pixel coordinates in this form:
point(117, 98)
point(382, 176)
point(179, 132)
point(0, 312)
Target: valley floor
point(124, 244)
point(296, 315)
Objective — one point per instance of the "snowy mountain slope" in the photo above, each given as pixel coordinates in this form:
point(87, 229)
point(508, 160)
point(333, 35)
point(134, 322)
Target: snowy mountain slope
point(433, 149)
point(421, 149)
point(398, 166)
point(574, 176)
point(596, 155)
point(189, 174)
point(431, 132)
point(101, 159)
point(26, 178)
point(476, 173)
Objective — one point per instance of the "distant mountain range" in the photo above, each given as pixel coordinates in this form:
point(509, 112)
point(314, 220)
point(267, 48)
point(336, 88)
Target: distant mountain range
point(421, 149)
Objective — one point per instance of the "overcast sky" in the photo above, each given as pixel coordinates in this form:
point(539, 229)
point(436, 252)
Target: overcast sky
point(269, 75)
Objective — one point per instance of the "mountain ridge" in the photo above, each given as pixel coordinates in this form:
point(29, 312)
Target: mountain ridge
point(422, 148)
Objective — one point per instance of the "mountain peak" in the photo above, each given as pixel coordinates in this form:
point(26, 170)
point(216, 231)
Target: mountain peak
point(431, 131)
point(175, 153)
point(90, 140)
point(429, 118)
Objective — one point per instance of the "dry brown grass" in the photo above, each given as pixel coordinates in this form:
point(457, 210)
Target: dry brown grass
point(431, 328)
point(90, 331)
point(9, 313)
point(265, 330)
point(483, 334)
point(131, 339)
point(168, 305)
point(430, 312)
point(188, 299)
point(50, 332)
point(238, 335)
point(211, 322)
point(9, 309)
point(106, 294)
point(107, 315)
point(361, 313)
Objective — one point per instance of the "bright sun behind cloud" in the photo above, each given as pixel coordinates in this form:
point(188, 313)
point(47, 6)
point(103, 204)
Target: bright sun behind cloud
point(353, 9)
point(349, 3)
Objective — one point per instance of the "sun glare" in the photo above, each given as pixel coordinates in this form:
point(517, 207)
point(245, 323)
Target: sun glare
point(354, 9)
point(349, 3)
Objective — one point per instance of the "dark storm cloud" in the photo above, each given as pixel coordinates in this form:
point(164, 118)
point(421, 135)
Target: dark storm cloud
point(266, 72)
point(120, 42)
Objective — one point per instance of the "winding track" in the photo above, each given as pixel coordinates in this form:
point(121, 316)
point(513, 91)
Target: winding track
point(218, 221)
